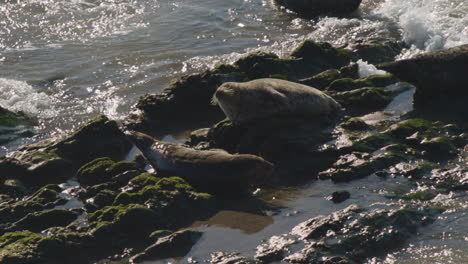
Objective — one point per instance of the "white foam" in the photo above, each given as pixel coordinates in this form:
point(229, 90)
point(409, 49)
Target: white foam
point(19, 96)
point(429, 24)
point(366, 69)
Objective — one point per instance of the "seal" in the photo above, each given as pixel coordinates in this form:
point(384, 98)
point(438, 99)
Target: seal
point(262, 98)
point(207, 170)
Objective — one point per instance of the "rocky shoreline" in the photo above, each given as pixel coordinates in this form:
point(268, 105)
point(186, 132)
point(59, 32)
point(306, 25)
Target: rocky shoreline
point(131, 215)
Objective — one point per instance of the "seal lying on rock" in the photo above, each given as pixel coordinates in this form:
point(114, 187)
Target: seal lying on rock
point(207, 170)
point(442, 72)
point(261, 98)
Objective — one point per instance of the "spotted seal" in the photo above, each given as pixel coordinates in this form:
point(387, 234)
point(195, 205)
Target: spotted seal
point(262, 98)
point(205, 169)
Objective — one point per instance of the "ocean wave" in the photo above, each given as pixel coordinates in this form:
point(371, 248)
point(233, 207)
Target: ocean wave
point(429, 25)
point(18, 96)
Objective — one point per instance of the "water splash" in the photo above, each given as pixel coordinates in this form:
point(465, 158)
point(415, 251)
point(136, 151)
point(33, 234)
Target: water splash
point(19, 96)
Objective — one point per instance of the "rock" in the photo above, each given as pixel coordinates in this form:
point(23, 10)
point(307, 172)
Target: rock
point(186, 100)
point(175, 245)
point(39, 221)
point(355, 124)
point(309, 8)
point(364, 100)
point(319, 57)
point(351, 235)
point(53, 161)
point(45, 198)
point(376, 51)
point(167, 197)
point(30, 248)
point(122, 222)
point(340, 196)
point(229, 258)
point(102, 170)
point(348, 84)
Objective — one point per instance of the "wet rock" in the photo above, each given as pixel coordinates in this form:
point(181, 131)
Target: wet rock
point(184, 100)
point(438, 76)
point(102, 170)
point(352, 166)
point(320, 7)
point(348, 84)
point(30, 248)
point(353, 234)
point(340, 196)
point(229, 258)
point(167, 198)
point(122, 222)
point(13, 187)
point(365, 100)
point(432, 138)
point(274, 249)
point(45, 198)
point(355, 123)
point(317, 57)
point(38, 221)
point(376, 51)
point(324, 79)
point(175, 245)
point(53, 161)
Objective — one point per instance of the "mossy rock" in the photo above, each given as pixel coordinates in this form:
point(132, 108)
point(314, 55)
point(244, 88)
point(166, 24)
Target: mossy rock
point(365, 99)
point(99, 137)
point(30, 248)
point(421, 195)
point(355, 124)
point(323, 79)
point(39, 221)
point(144, 179)
point(348, 84)
point(408, 127)
point(310, 50)
point(102, 170)
point(45, 198)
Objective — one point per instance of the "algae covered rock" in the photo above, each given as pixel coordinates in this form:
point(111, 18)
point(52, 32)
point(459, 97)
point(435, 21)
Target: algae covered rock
point(45, 198)
point(102, 170)
point(53, 161)
point(39, 221)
